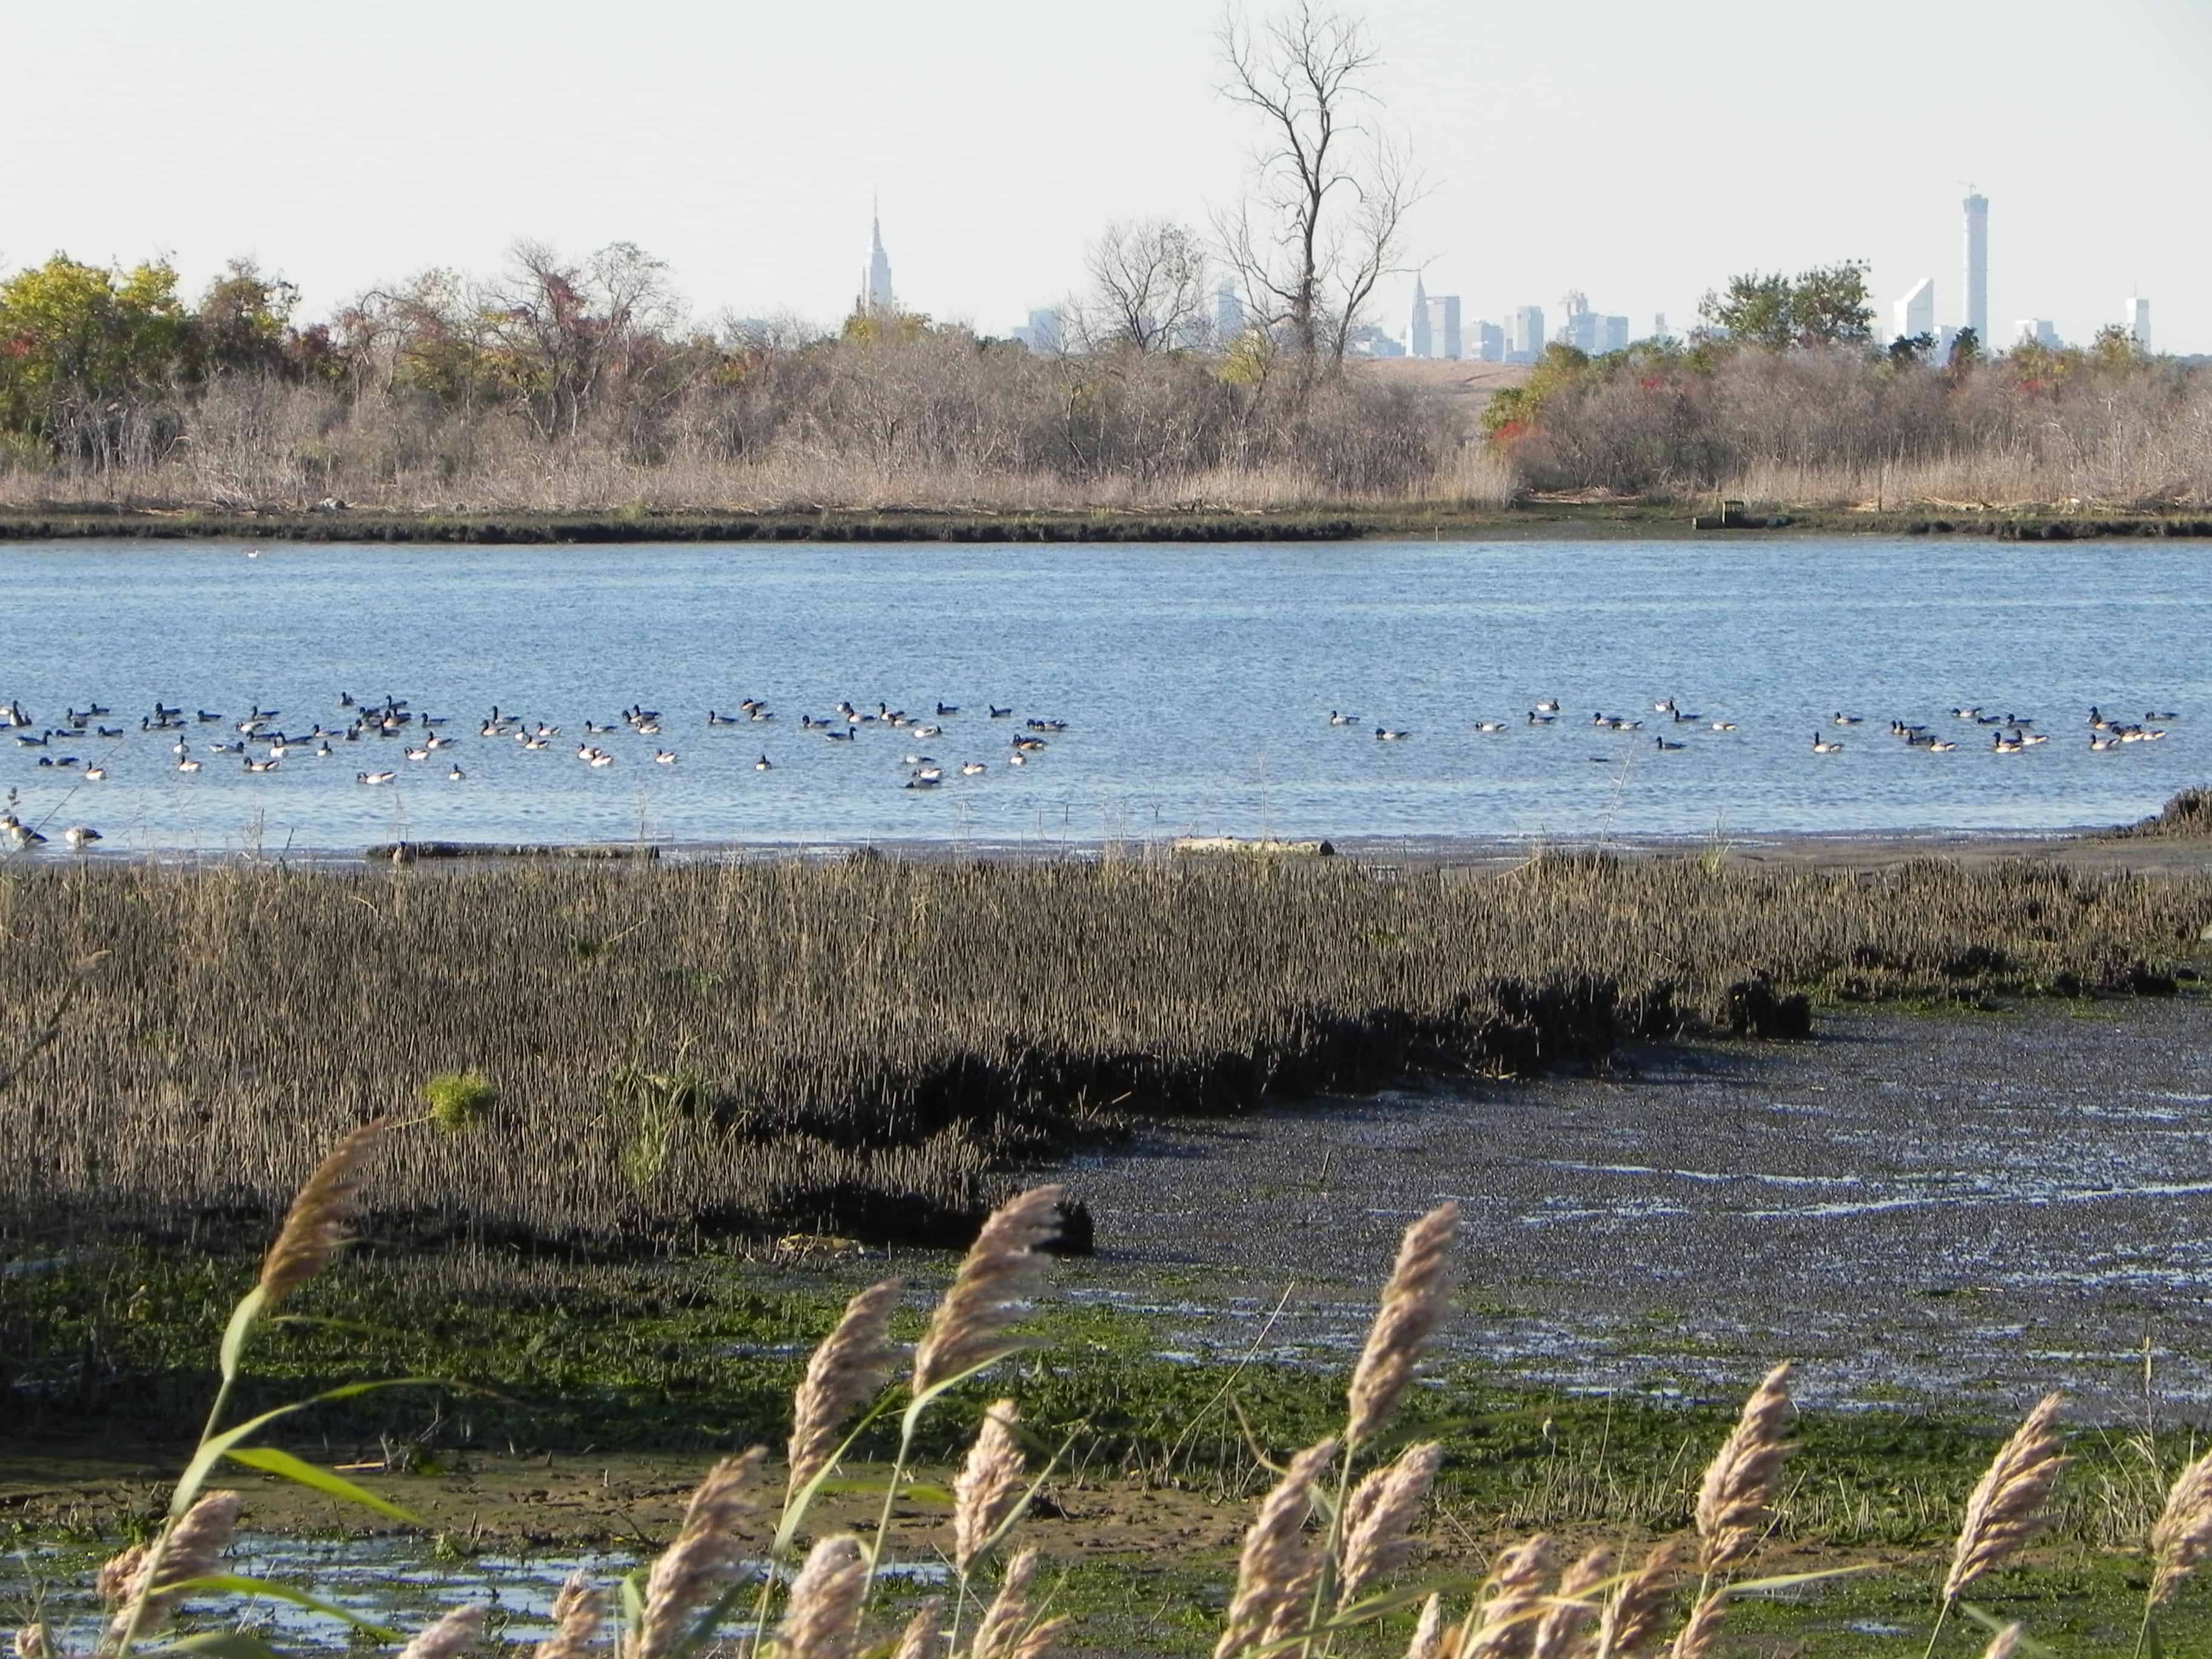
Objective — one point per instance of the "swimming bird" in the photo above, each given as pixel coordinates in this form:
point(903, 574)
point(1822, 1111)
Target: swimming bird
point(921, 781)
point(188, 765)
point(998, 714)
point(926, 730)
point(374, 777)
point(1938, 746)
point(80, 836)
point(1723, 725)
point(1842, 719)
point(418, 754)
point(533, 743)
point(108, 731)
point(1490, 725)
point(456, 775)
point(1823, 746)
point(1548, 706)
point(602, 758)
point(763, 764)
point(1334, 718)
point(2154, 715)
point(2100, 744)
point(973, 769)
point(1662, 743)
point(1536, 718)
point(664, 757)
point(94, 774)
point(846, 736)
point(38, 742)
point(944, 709)
point(1390, 734)
point(261, 766)
point(930, 773)
point(209, 717)
point(1017, 758)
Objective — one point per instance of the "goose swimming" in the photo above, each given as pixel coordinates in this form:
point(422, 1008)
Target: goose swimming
point(374, 777)
point(1824, 746)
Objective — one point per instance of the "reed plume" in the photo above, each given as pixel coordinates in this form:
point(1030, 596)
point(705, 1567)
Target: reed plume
point(847, 1371)
point(1503, 1626)
point(1428, 1640)
point(457, 1632)
point(199, 1536)
point(822, 1618)
point(1560, 1633)
point(1631, 1620)
point(1703, 1629)
point(315, 1225)
point(1732, 1499)
point(119, 1573)
point(1002, 1270)
point(1274, 1559)
point(988, 1488)
point(1378, 1519)
point(575, 1621)
point(999, 1634)
point(920, 1639)
point(2006, 1643)
point(2184, 1533)
point(2005, 1506)
point(33, 1641)
point(1412, 1304)
point(701, 1557)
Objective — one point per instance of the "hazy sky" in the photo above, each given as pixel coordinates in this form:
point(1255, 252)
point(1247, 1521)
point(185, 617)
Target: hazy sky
point(1637, 151)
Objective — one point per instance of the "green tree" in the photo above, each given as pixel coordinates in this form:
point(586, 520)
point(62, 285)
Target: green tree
point(1966, 351)
point(244, 317)
point(1756, 310)
point(1907, 350)
point(1826, 305)
point(74, 338)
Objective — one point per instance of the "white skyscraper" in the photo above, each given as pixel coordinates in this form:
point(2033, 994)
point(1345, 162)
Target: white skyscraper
point(1914, 314)
point(2136, 320)
point(1978, 265)
point(1444, 325)
point(1419, 341)
point(1525, 342)
point(876, 281)
point(2036, 330)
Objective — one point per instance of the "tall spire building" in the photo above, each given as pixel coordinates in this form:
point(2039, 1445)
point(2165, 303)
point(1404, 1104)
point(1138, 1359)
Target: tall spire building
point(876, 281)
point(1977, 266)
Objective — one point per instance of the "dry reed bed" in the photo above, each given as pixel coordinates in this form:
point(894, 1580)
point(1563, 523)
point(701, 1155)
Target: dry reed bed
point(860, 1046)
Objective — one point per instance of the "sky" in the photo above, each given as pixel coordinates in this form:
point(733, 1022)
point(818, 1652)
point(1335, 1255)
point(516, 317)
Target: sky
point(1639, 153)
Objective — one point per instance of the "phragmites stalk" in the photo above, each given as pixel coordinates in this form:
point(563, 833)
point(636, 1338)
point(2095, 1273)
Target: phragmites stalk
point(920, 1639)
point(1738, 1485)
point(823, 1618)
point(987, 1491)
point(702, 1557)
point(1503, 1626)
point(119, 1573)
point(200, 1535)
point(1000, 1635)
point(575, 1621)
point(1002, 1270)
point(1428, 1640)
point(1274, 1557)
point(34, 1641)
point(846, 1372)
point(315, 1225)
point(1704, 1629)
point(1412, 1305)
point(1378, 1519)
point(2184, 1533)
point(1630, 1623)
point(2006, 1643)
point(1560, 1632)
point(457, 1632)
point(2006, 1505)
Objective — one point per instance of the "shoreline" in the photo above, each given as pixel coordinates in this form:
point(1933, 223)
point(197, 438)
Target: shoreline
point(1594, 520)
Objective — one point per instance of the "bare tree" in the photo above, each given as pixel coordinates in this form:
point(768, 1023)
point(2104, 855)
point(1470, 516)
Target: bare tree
point(1321, 225)
point(569, 329)
point(1147, 288)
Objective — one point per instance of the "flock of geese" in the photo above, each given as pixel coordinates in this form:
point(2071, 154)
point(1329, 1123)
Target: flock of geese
point(260, 746)
point(2010, 733)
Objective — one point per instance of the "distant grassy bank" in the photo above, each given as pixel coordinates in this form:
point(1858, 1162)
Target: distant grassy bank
point(1595, 520)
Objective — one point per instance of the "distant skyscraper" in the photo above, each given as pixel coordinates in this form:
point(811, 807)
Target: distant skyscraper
point(1419, 339)
point(1490, 343)
point(1658, 325)
point(1046, 330)
point(1228, 314)
point(1914, 314)
point(1525, 341)
point(1612, 334)
point(2036, 330)
point(1978, 265)
point(1444, 325)
point(876, 281)
point(2136, 320)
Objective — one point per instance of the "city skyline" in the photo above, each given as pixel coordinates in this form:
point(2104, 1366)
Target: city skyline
point(997, 168)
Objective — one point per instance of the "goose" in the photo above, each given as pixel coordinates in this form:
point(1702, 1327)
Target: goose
point(648, 728)
point(1548, 706)
point(1334, 718)
point(1046, 726)
point(944, 709)
point(759, 711)
point(603, 759)
point(418, 754)
point(2034, 737)
point(1842, 719)
point(714, 718)
point(374, 777)
point(209, 717)
point(1824, 746)
point(1490, 725)
point(1682, 719)
point(973, 769)
point(188, 765)
point(997, 713)
point(585, 751)
point(24, 835)
point(925, 729)
point(2154, 735)
point(1599, 718)
point(161, 714)
point(846, 736)
point(323, 749)
point(38, 742)
point(345, 699)
point(921, 781)
point(260, 765)
point(664, 757)
point(1536, 717)
point(918, 760)
point(2001, 744)
point(108, 731)
point(1662, 743)
point(1990, 719)
point(930, 773)
point(180, 747)
point(1027, 745)
point(2021, 720)
point(456, 775)
point(2100, 744)
point(1939, 746)
point(1665, 708)
point(763, 764)
point(80, 836)
point(1620, 725)
point(261, 714)
point(94, 774)
point(1723, 725)
point(1390, 734)
point(1017, 758)
point(435, 742)
point(238, 748)
point(1973, 714)
point(2152, 714)
point(535, 744)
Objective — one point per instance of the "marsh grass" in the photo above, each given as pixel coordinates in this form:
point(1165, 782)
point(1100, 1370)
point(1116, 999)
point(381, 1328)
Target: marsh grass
point(685, 1052)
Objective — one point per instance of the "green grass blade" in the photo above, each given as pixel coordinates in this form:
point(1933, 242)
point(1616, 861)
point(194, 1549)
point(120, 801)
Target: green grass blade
point(231, 1583)
point(273, 1461)
point(241, 1325)
point(217, 1446)
point(225, 1644)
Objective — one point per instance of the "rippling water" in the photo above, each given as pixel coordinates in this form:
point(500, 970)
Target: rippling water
point(1196, 683)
